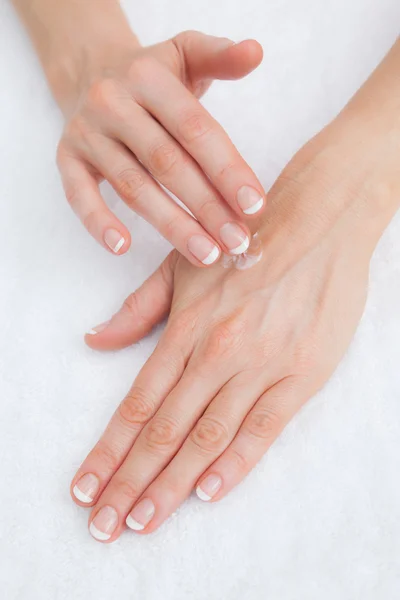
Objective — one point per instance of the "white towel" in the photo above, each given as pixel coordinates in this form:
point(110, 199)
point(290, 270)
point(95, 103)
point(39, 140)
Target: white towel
point(320, 516)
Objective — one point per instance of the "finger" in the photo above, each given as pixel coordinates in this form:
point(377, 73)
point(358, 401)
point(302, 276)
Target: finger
point(172, 166)
point(210, 436)
point(154, 447)
point(159, 376)
point(138, 189)
point(209, 57)
point(205, 140)
point(140, 312)
point(83, 195)
point(271, 413)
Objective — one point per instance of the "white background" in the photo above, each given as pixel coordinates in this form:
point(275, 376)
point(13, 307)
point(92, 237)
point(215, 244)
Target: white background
point(320, 516)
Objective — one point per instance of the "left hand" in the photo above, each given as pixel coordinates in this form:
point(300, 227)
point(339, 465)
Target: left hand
point(242, 350)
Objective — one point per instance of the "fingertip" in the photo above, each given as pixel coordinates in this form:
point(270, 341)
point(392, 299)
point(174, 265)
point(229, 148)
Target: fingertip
point(108, 339)
point(251, 53)
point(117, 241)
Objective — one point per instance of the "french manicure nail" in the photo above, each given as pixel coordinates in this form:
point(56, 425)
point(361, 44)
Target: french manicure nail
point(208, 487)
point(249, 200)
point(103, 525)
point(98, 328)
point(114, 240)
point(234, 238)
point(141, 515)
point(203, 249)
point(86, 488)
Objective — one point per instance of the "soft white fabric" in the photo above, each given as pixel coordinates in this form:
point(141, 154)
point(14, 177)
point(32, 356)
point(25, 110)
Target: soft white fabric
point(320, 516)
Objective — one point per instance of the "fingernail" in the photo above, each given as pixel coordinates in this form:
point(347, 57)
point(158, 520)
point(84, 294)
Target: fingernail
point(209, 487)
point(141, 515)
point(98, 328)
point(223, 43)
point(86, 488)
point(103, 525)
point(234, 238)
point(203, 249)
point(249, 200)
point(114, 240)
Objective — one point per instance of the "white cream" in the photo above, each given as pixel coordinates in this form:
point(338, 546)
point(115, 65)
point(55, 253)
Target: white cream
point(247, 259)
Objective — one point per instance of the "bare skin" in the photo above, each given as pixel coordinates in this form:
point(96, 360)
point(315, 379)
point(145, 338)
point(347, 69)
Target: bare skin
point(244, 350)
point(133, 117)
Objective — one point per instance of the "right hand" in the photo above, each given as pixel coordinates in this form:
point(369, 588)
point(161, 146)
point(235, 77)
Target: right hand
point(137, 122)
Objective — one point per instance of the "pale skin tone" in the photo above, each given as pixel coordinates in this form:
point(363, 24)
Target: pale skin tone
point(133, 117)
point(242, 351)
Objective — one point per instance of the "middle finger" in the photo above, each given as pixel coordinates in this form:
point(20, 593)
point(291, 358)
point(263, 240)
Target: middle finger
point(156, 445)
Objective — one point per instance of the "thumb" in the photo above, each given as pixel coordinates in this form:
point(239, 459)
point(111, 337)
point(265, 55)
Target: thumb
point(209, 57)
point(139, 313)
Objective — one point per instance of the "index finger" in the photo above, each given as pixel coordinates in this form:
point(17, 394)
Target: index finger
point(171, 103)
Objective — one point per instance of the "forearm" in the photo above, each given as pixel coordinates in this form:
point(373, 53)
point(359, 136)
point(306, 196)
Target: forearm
point(74, 37)
point(346, 179)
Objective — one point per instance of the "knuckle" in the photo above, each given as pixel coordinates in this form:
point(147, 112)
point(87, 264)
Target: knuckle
point(224, 172)
point(102, 96)
point(134, 308)
point(61, 155)
point(240, 461)
point(105, 455)
point(209, 211)
point(161, 434)
point(73, 196)
point(136, 409)
point(141, 68)
point(125, 488)
point(225, 339)
point(89, 220)
point(264, 423)
point(183, 322)
point(186, 36)
point(172, 359)
point(129, 183)
point(195, 125)
point(78, 131)
point(209, 435)
point(173, 227)
point(162, 159)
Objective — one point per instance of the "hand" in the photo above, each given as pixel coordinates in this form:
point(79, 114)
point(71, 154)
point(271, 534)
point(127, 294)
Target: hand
point(137, 122)
point(242, 350)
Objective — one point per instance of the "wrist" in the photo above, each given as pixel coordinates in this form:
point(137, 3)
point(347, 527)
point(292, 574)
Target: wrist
point(75, 41)
point(342, 189)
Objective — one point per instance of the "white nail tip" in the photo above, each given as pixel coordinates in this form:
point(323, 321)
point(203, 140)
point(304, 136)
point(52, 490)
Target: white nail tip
point(202, 495)
point(255, 208)
point(132, 524)
point(79, 495)
point(242, 248)
point(97, 534)
point(212, 257)
point(92, 332)
point(118, 247)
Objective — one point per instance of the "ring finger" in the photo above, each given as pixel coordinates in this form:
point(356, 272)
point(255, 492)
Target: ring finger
point(142, 193)
point(209, 438)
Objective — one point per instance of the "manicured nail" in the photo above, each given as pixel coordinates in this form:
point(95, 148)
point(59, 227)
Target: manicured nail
point(141, 515)
point(223, 43)
point(209, 487)
point(98, 328)
point(103, 525)
point(234, 238)
point(203, 249)
point(114, 240)
point(86, 488)
point(249, 200)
